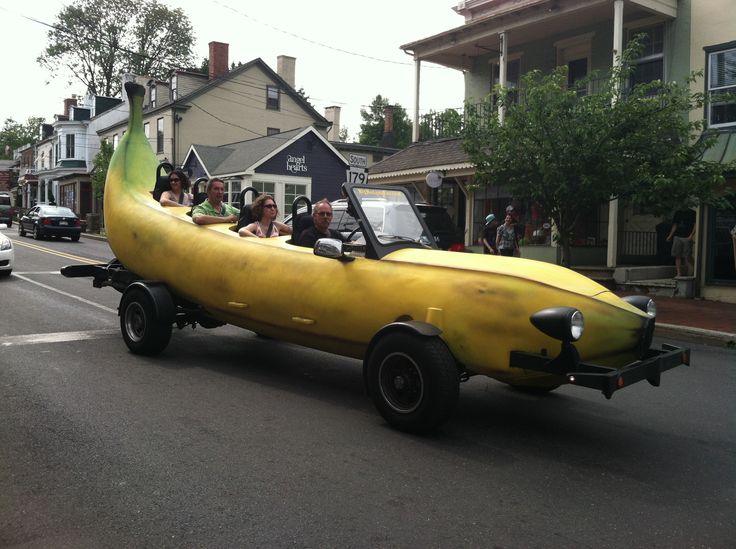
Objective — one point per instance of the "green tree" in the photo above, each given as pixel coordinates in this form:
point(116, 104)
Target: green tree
point(569, 151)
point(436, 125)
point(97, 40)
point(100, 163)
point(14, 135)
point(371, 131)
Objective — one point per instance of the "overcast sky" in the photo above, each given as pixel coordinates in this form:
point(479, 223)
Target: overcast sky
point(346, 51)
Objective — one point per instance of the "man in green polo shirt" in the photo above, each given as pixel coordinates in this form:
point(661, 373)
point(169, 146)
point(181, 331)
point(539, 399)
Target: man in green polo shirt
point(213, 210)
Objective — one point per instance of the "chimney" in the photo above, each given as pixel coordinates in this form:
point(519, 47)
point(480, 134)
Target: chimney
point(68, 104)
point(218, 63)
point(286, 69)
point(332, 114)
point(388, 139)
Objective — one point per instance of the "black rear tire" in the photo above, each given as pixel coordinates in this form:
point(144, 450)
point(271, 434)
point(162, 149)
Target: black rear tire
point(37, 233)
point(75, 238)
point(413, 381)
point(143, 329)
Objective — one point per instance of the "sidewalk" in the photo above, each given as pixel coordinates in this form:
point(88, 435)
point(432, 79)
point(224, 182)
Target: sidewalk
point(694, 319)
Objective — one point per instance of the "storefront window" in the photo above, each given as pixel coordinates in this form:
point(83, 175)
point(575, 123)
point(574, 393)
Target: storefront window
point(721, 254)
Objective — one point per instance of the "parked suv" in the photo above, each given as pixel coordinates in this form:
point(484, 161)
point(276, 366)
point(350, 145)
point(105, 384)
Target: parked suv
point(439, 222)
point(6, 210)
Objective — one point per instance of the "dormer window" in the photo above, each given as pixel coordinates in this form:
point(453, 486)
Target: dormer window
point(174, 88)
point(152, 96)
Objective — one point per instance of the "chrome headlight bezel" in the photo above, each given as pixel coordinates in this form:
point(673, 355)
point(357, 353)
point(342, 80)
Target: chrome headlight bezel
point(565, 324)
point(643, 303)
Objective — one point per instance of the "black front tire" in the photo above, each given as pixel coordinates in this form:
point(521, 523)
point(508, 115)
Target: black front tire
point(144, 331)
point(413, 380)
point(21, 230)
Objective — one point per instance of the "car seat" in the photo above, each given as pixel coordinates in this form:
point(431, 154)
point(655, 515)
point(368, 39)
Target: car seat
point(300, 222)
point(162, 180)
point(246, 210)
point(197, 196)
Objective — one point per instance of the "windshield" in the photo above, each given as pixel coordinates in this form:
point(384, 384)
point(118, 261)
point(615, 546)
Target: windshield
point(391, 215)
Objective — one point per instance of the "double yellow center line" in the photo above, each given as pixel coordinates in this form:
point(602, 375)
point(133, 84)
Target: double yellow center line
point(55, 252)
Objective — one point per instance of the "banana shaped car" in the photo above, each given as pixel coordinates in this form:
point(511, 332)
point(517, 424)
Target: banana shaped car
point(421, 319)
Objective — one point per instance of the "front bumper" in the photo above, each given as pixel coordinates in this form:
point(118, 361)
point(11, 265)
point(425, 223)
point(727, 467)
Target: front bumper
point(606, 379)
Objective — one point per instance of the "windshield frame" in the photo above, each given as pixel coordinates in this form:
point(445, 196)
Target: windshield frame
point(377, 245)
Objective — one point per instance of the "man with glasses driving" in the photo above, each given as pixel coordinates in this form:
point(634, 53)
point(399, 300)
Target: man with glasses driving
point(322, 217)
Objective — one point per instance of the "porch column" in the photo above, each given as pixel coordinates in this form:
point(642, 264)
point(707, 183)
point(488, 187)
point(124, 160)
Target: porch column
point(618, 40)
point(415, 127)
point(502, 72)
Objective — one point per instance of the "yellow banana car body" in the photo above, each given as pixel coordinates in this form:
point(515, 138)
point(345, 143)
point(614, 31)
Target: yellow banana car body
point(480, 305)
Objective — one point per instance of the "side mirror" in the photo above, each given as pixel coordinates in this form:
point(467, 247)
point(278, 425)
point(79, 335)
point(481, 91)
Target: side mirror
point(331, 248)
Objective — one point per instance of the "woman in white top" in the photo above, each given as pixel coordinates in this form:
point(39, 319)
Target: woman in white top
point(265, 211)
point(178, 195)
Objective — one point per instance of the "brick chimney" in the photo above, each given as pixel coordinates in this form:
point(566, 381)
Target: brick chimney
point(286, 69)
point(388, 139)
point(218, 63)
point(332, 114)
point(68, 104)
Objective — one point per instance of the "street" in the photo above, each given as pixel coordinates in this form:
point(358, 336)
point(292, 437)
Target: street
point(228, 439)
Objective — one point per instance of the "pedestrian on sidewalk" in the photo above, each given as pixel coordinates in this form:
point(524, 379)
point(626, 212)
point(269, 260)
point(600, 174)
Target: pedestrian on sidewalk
point(682, 234)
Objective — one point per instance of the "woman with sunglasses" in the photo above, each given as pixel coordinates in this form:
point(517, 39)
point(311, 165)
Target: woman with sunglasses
point(265, 226)
point(178, 195)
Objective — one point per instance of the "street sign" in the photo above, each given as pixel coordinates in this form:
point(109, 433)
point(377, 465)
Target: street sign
point(357, 175)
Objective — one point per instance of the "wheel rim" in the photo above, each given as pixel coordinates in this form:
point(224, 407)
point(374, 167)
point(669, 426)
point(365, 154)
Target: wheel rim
point(401, 383)
point(135, 322)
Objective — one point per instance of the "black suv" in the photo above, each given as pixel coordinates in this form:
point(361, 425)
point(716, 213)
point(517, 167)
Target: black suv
point(439, 222)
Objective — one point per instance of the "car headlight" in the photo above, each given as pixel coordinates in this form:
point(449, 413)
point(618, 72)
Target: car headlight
point(563, 323)
point(643, 303)
point(6, 245)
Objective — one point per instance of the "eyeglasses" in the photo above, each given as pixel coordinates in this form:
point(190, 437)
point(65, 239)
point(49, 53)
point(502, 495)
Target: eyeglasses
point(270, 206)
point(174, 179)
point(324, 214)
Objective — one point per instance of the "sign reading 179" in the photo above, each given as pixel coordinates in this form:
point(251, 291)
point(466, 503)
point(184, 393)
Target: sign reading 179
point(357, 175)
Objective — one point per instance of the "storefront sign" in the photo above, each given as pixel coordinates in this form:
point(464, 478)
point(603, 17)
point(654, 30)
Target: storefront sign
point(296, 164)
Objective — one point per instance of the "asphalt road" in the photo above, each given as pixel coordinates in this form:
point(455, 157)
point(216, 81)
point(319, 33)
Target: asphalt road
point(231, 440)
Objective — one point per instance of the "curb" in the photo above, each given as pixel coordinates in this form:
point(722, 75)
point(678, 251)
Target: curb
point(94, 236)
point(695, 335)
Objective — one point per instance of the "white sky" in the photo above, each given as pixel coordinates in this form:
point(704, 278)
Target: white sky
point(266, 29)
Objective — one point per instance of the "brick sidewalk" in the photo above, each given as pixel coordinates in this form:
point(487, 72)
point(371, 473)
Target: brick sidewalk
point(696, 313)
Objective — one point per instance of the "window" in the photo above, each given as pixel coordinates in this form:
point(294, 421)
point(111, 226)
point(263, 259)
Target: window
point(284, 190)
point(721, 80)
point(174, 88)
point(650, 65)
point(291, 191)
point(272, 98)
point(160, 135)
point(272, 131)
point(70, 146)
point(153, 95)
point(147, 129)
point(512, 78)
point(232, 189)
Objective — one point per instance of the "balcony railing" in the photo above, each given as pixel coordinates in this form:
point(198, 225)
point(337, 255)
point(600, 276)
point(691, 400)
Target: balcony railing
point(452, 122)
